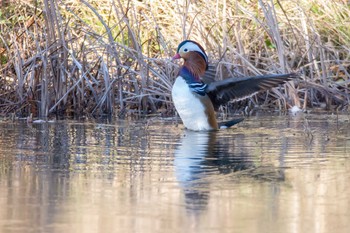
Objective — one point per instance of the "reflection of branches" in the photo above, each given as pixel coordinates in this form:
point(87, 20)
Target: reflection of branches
point(308, 131)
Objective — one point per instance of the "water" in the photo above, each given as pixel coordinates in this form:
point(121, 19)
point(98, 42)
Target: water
point(268, 174)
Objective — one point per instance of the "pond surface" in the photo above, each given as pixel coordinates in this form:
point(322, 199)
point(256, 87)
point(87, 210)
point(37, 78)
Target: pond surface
point(268, 174)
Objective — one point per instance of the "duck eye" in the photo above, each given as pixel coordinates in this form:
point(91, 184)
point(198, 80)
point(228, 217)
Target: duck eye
point(185, 50)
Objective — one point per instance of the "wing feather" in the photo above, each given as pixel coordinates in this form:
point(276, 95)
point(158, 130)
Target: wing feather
point(220, 92)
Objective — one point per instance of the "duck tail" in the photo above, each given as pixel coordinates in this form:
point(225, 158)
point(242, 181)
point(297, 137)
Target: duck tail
point(228, 124)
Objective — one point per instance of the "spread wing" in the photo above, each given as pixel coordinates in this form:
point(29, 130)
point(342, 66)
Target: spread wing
point(209, 75)
point(220, 92)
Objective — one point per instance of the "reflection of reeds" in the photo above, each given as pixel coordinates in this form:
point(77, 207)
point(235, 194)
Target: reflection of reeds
point(107, 57)
point(308, 131)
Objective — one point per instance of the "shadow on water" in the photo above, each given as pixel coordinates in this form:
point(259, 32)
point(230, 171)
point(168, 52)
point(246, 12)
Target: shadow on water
point(202, 155)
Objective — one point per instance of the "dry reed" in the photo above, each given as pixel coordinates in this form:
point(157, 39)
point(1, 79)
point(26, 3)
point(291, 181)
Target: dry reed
point(76, 58)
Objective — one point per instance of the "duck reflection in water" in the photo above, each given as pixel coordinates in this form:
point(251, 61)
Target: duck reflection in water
point(198, 158)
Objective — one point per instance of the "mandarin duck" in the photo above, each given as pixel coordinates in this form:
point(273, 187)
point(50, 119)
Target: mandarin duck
point(196, 101)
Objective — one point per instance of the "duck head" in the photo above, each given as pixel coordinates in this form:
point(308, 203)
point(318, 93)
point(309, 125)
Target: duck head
point(195, 58)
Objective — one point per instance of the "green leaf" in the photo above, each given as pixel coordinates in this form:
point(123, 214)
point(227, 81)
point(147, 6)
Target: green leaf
point(269, 44)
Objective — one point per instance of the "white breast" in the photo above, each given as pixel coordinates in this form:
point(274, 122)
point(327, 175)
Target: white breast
point(189, 106)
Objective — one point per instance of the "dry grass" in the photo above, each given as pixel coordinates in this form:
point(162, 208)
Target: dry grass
point(112, 57)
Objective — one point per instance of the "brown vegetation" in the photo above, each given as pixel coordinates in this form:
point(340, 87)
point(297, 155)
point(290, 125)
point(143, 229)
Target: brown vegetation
point(112, 57)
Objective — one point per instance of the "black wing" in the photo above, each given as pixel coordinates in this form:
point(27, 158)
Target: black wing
point(209, 75)
point(220, 92)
